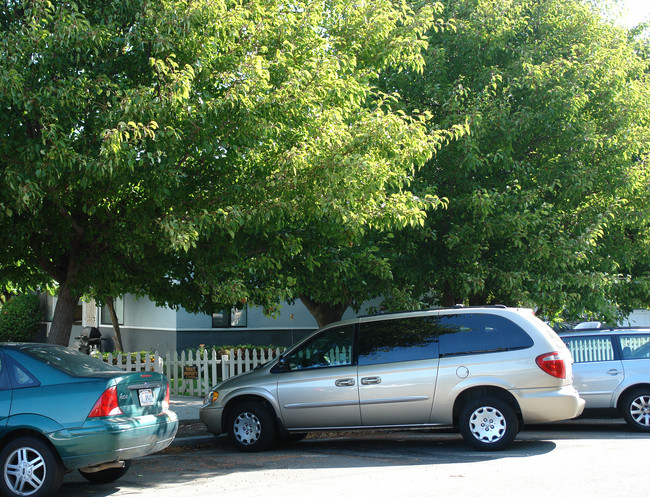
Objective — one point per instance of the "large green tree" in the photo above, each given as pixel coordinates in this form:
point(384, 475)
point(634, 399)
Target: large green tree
point(167, 147)
point(548, 193)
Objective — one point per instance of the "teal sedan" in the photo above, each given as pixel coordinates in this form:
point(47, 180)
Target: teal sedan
point(61, 410)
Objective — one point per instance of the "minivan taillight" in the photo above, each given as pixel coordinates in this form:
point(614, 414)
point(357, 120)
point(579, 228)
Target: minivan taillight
point(106, 405)
point(553, 364)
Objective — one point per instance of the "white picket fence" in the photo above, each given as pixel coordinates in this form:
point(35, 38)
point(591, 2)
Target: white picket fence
point(192, 373)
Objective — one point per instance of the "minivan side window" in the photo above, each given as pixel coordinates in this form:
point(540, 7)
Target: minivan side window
point(590, 349)
point(332, 347)
point(480, 333)
point(397, 340)
point(635, 347)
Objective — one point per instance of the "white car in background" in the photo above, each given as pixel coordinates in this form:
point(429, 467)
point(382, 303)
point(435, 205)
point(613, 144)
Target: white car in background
point(611, 369)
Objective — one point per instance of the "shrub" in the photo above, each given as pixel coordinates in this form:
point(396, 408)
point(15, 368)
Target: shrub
point(20, 318)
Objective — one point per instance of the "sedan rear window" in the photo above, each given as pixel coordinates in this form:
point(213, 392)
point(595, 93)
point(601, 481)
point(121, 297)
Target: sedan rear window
point(70, 361)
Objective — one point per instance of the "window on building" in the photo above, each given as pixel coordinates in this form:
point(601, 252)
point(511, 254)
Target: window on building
point(232, 318)
point(118, 303)
point(48, 306)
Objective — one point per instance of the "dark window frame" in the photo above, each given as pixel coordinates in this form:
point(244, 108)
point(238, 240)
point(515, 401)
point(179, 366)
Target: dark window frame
point(229, 318)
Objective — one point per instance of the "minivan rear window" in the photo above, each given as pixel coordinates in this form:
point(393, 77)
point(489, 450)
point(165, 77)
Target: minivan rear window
point(480, 333)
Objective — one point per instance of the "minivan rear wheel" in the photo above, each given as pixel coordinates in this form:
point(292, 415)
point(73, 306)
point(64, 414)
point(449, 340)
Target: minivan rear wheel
point(251, 427)
point(636, 409)
point(488, 423)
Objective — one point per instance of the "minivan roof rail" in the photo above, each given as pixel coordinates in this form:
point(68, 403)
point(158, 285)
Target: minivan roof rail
point(457, 306)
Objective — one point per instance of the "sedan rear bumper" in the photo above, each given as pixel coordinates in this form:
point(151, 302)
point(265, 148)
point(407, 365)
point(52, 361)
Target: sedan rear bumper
point(115, 438)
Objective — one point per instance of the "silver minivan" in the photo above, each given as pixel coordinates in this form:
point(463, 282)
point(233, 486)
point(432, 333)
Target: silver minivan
point(485, 371)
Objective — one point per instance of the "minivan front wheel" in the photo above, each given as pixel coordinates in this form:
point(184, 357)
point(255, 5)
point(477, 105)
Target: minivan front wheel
point(488, 423)
point(251, 427)
point(636, 409)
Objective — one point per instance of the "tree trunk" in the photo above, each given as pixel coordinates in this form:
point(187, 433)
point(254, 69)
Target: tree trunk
point(110, 303)
point(324, 313)
point(63, 318)
point(448, 299)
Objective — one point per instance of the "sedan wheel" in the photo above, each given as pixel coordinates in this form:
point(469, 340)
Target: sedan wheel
point(488, 424)
point(29, 468)
point(251, 427)
point(636, 410)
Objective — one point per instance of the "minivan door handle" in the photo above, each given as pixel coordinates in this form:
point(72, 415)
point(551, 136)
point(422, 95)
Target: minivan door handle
point(371, 380)
point(613, 372)
point(347, 382)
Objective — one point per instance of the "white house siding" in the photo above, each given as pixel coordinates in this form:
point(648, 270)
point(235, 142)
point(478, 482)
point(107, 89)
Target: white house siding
point(146, 326)
point(640, 317)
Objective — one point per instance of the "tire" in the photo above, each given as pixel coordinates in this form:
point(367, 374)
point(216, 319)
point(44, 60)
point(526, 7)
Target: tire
point(635, 408)
point(106, 475)
point(30, 468)
point(251, 427)
point(488, 423)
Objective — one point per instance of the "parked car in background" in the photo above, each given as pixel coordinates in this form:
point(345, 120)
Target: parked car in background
point(611, 369)
point(61, 410)
point(486, 371)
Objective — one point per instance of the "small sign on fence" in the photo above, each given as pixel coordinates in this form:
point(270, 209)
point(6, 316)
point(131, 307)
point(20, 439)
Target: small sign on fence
point(190, 372)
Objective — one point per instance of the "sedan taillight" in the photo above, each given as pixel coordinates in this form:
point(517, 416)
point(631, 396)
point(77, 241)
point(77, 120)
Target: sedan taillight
point(553, 364)
point(106, 405)
point(166, 401)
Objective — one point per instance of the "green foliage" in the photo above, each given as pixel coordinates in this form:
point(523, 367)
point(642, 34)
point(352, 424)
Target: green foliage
point(20, 318)
point(167, 148)
point(548, 192)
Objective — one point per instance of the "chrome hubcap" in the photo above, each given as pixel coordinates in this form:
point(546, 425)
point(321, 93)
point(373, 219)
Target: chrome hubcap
point(247, 428)
point(25, 471)
point(640, 410)
point(487, 424)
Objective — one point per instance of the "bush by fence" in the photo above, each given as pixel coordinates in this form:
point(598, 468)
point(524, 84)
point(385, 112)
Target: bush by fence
point(20, 317)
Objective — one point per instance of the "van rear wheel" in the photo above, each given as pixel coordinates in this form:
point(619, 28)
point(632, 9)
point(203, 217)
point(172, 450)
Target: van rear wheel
point(488, 423)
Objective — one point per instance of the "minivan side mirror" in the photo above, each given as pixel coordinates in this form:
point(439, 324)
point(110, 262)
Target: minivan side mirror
point(281, 365)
